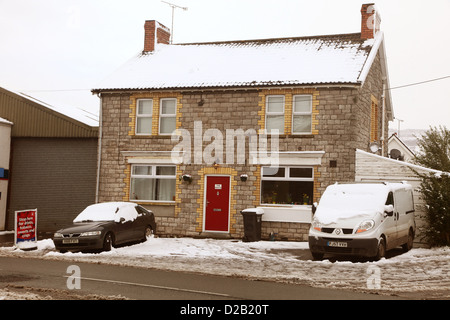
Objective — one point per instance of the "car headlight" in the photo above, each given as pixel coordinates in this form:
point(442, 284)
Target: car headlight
point(365, 226)
point(90, 233)
point(316, 225)
point(58, 235)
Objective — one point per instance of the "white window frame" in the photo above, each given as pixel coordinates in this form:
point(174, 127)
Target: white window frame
point(268, 114)
point(144, 115)
point(169, 115)
point(153, 175)
point(294, 113)
point(285, 178)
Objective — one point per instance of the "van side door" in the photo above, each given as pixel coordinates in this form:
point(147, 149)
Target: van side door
point(390, 224)
point(404, 206)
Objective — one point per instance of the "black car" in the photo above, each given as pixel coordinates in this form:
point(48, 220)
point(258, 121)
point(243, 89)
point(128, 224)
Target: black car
point(104, 225)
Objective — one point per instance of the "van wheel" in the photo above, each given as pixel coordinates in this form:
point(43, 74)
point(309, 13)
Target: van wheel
point(381, 251)
point(408, 245)
point(317, 255)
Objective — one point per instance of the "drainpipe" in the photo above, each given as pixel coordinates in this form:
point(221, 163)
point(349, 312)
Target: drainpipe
point(383, 121)
point(99, 149)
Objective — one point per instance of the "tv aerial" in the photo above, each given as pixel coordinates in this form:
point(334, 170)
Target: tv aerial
point(173, 6)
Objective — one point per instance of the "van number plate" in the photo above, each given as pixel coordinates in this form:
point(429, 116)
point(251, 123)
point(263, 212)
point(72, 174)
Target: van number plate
point(337, 244)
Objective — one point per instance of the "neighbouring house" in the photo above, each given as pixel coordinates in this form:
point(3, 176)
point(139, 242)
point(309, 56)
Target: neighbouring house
point(187, 130)
point(49, 161)
point(398, 150)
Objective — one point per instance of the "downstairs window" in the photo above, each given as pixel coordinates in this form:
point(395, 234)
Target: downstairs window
point(153, 183)
point(287, 185)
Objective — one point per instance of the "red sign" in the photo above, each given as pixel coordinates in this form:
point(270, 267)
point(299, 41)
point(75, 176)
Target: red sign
point(25, 227)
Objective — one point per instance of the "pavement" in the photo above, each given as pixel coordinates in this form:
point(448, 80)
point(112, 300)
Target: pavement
point(7, 237)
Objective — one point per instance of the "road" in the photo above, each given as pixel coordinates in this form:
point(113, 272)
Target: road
point(68, 280)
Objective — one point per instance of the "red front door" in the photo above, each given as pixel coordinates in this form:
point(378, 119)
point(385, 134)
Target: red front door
point(217, 203)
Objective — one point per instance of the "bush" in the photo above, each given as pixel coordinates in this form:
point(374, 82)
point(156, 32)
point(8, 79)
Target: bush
point(435, 188)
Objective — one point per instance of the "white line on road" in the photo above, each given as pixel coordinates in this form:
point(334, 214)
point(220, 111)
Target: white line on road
point(154, 286)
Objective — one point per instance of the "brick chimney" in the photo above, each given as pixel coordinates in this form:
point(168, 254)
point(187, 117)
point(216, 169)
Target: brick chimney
point(155, 33)
point(370, 21)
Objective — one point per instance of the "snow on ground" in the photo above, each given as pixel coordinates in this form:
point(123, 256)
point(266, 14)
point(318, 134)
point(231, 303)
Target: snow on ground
point(419, 273)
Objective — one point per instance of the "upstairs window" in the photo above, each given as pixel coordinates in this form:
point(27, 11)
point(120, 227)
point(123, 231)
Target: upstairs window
point(275, 113)
point(302, 114)
point(167, 115)
point(144, 113)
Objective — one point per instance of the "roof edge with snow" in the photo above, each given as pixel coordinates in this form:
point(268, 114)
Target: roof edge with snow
point(404, 163)
point(342, 60)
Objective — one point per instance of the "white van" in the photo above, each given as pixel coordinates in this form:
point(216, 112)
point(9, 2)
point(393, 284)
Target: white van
point(363, 220)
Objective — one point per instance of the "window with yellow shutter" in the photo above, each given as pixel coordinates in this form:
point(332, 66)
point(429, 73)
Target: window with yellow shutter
point(374, 121)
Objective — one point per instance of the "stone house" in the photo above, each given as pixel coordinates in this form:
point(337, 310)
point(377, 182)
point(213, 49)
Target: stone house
point(189, 130)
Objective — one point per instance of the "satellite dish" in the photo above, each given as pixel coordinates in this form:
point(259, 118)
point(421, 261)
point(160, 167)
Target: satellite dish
point(395, 154)
point(374, 147)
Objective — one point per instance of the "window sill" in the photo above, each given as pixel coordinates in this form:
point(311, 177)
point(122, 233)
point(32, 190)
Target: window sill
point(302, 135)
point(143, 136)
point(154, 203)
point(285, 205)
point(294, 135)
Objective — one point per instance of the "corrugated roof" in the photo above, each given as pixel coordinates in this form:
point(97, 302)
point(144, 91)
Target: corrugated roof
point(332, 59)
point(75, 113)
point(33, 118)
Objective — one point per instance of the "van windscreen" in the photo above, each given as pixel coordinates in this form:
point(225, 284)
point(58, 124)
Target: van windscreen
point(348, 201)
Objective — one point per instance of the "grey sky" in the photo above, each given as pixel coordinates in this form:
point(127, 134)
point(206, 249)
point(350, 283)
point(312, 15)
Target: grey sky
point(52, 45)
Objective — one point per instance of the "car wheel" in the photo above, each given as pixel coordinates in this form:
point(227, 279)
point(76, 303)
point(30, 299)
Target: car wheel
point(107, 242)
point(148, 232)
point(408, 245)
point(381, 251)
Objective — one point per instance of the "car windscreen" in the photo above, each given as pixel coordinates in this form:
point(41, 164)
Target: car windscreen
point(110, 211)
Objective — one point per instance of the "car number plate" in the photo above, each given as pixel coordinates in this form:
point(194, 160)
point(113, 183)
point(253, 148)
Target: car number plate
point(66, 241)
point(337, 244)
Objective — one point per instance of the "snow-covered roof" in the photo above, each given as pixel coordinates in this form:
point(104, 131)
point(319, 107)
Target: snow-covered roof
point(86, 115)
point(4, 121)
point(89, 118)
point(436, 173)
point(333, 59)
